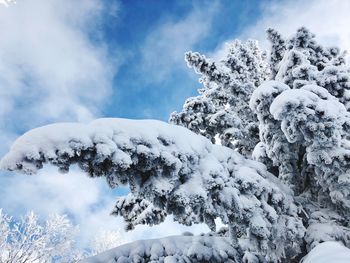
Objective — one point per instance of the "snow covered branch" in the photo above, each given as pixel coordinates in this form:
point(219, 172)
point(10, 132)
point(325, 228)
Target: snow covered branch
point(137, 211)
point(179, 172)
point(181, 249)
point(314, 118)
point(222, 108)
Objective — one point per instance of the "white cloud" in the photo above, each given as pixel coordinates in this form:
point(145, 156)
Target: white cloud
point(329, 20)
point(164, 48)
point(49, 68)
point(88, 202)
point(52, 70)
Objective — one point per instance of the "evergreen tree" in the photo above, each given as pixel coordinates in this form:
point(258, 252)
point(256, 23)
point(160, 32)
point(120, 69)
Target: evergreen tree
point(221, 111)
point(279, 180)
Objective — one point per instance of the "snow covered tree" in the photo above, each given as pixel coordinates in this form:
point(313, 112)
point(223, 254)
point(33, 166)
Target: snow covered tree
point(221, 111)
point(303, 127)
point(281, 186)
point(313, 118)
point(311, 114)
point(28, 240)
point(177, 171)
point(273, 143)
point(103, 241)
point(31, 240)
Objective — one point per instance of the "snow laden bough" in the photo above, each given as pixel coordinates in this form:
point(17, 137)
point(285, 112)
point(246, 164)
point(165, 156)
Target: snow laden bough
point(322, 134)
point(177, 249)
point(177, 172)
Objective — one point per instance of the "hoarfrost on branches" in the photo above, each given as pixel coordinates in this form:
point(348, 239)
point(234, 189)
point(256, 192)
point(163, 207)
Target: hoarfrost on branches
point(32, 240)
point(177, 171)
point(222, 108)
point(103, 241)
point(28, 240)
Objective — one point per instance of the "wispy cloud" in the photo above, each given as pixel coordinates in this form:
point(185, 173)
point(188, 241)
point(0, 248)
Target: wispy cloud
point(49, 67)
point(87, 201)
point(328, 19)
point(53, 69)
point(163, 50)
point(53, 192)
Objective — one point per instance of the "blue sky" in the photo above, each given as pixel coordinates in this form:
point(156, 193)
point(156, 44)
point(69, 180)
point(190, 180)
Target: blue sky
point(168, 82)
point(63, 60)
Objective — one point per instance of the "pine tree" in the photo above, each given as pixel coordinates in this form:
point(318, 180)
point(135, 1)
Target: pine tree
point(279, 180)
point(221, 111)
point(177, 171)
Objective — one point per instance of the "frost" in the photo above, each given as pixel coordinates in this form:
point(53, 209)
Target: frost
point(221, 110)
point(186, 176)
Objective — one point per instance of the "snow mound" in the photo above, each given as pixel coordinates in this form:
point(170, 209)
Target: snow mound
point(328, 252)
point(170, 249)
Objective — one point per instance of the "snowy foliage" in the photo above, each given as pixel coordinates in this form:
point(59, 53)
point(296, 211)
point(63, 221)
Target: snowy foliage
point(303, 126)
point(203, 249)
point(103, 241)
point(137, 211)
point(313, 118)
point(222, 108)
point(181, 249)
point(273, 143)
point(177, 171)
point(32, 240)
point(282, 184)
point(28, 240)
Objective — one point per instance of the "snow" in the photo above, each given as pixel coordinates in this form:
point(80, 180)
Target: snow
point(312, 97)
point(175, 170)
point(107, 134)
point(264, 91)
point(174, 247)
point(221, 112)
point(328, 252)
point(170, 249)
